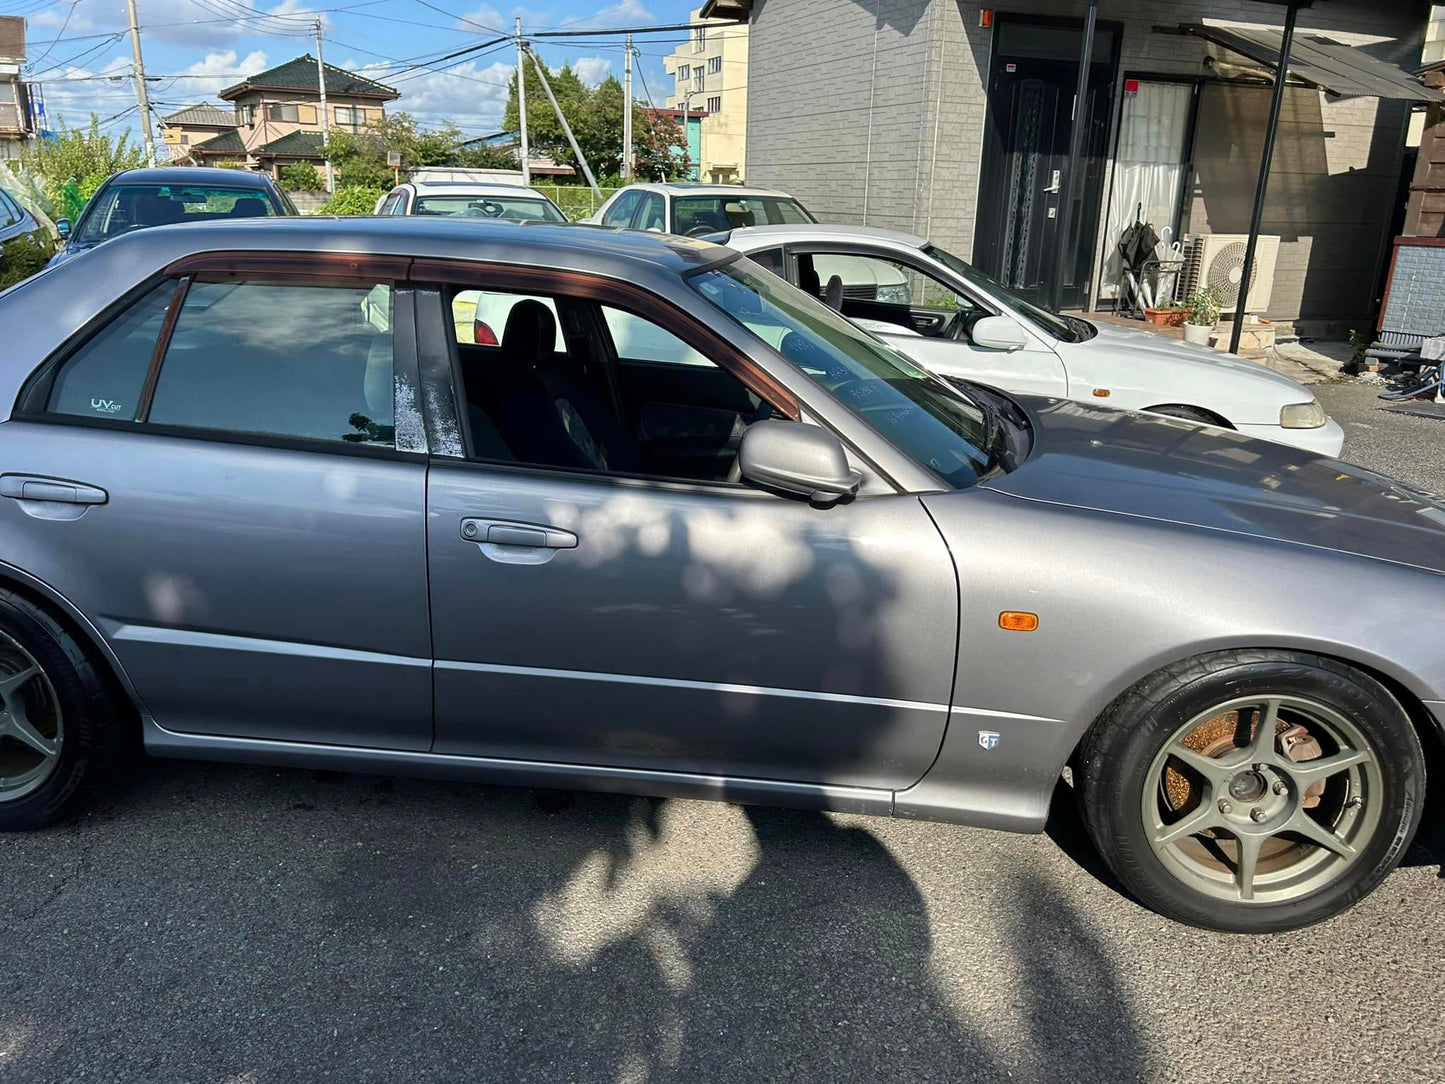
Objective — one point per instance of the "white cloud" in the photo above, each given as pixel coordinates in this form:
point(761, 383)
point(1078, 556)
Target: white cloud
point(220, 70)
point(74, 94)
point(470, 96)
point(592, 69)
point(622, 13)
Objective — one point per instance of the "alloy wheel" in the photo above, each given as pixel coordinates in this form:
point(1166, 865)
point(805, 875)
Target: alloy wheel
point(31, 727)
point(1263, 799)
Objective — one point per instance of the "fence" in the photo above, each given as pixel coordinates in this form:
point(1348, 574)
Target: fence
point(576, 200)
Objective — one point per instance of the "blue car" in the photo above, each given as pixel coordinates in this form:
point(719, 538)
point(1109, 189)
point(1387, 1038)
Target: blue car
point(135, 199)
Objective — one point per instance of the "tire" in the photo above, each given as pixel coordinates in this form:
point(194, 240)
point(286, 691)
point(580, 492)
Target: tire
point(68, 701)
point(1369, 810)
point(1191, 414)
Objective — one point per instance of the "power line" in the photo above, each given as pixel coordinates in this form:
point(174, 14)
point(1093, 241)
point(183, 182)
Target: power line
point(63, 25)
point(460, 18)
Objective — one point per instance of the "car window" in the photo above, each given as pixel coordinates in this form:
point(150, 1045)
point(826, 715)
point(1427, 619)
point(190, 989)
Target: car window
point(506, 208)
point(653, 215)
point(104, 378)
point(636, 339)
point(293, 361)
point(390, 205)
point(875, 278)
point(9, 214)
point(693, 215)
point(480, 316)
point(620, 213)
point(125, 207)
point(770, 259)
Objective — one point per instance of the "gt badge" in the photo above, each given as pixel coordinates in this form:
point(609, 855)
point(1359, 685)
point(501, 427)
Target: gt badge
point(988, 740)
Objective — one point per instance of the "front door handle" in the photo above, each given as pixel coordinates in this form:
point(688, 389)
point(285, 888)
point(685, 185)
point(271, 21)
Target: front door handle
point(34, 487)
point(517, 543)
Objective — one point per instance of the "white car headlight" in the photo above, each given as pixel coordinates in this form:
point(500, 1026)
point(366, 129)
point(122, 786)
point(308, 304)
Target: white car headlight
point(1302, 415)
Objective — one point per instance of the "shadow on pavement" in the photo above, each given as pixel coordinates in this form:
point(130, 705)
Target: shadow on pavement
point(246, 925)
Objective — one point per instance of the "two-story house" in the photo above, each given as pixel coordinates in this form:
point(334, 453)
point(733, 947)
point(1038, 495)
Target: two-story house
point(710, 80)
point(194, 125)
point(278, 120)
point(15, 119)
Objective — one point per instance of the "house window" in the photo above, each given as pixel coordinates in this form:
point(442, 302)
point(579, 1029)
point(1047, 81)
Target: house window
point(684, 73)
point(697, 76)
point(353, 116)
point(714, 104)
point(284, 112)
point(699, 39)
point(714, 65)
point(246, 114)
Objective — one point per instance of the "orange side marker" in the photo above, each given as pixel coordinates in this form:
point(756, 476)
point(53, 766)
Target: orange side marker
point(1018, 621)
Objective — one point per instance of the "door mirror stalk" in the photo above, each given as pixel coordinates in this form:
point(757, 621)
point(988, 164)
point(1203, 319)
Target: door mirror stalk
point(798, 459)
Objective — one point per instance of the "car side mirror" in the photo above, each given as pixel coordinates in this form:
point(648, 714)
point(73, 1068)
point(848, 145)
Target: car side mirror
point(998, 333)
point(62, 227)
point(798, 459)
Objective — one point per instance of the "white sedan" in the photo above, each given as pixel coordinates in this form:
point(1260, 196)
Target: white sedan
point(958, 322)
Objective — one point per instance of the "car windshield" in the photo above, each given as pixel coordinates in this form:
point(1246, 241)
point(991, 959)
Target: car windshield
point(698, 214)
point(125, 207)
point(1068, 328)
point(507, 208)
point(921, 415)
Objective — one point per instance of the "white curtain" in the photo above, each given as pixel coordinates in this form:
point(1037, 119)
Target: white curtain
point(1147, 169)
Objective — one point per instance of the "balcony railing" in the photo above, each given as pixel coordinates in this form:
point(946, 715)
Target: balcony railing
point(13, 118)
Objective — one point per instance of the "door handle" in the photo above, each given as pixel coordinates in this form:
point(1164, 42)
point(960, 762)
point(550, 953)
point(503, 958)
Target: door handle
point(1055, 181)
point(33, 487)
point(505, 533)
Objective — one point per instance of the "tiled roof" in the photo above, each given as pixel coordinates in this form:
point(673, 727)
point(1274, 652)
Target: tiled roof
point(294, 144)
point(228, 143)
point(213, 116)
point(300, 74)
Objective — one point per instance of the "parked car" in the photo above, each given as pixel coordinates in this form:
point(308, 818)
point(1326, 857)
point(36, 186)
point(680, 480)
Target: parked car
point(958, 322)
point(509, 202)
point(137, 199)
point(691, 210)
point(25, 244)
point(249, 520)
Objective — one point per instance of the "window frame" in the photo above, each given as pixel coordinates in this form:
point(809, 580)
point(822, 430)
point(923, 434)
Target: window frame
point(283, 269)
point(440, 360)
point(714, 108)
point(816, 248)
point(635, 222)
point(632, 194)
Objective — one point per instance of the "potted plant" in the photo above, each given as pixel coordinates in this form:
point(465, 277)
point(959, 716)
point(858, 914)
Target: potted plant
point(1201, 312)
point(1167, 316)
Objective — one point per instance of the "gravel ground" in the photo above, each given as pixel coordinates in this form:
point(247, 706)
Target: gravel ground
point(212, 923)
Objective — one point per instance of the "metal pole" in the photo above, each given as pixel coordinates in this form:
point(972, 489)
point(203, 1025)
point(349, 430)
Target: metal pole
point(522, 106)
point(627, 109)
point(142, 97)
point(566, 128)
point(325, 114)
point(1076, 149)
point(1281, 73)
point(687, 138)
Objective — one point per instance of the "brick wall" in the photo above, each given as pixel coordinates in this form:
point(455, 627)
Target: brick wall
point(874, 110)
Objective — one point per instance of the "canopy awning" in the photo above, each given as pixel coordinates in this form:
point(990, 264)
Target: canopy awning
point(1330, 65)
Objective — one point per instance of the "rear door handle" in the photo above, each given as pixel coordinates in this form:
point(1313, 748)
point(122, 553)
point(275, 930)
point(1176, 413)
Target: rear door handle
point(34, 487)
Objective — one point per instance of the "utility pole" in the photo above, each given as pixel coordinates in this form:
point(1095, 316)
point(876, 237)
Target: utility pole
point(142, 97)
point(627, 109)
point(566, 128)
point(325, 114)
point(522, 106)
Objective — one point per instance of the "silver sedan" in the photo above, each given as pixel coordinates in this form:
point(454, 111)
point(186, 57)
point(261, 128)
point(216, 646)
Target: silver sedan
point(679, 529)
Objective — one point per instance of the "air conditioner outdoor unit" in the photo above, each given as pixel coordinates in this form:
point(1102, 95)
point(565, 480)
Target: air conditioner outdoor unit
point(1217, 259)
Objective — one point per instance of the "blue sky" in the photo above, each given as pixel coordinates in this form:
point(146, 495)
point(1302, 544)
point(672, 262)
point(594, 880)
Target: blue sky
point(198, 47)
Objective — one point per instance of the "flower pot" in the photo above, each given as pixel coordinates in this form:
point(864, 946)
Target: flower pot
point(1164, 317)
point(1197, 333)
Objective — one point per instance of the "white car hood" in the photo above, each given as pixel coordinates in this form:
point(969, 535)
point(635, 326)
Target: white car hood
point(1156, 360)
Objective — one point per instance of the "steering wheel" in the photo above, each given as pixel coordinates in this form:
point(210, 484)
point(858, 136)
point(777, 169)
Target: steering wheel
point(702, 231)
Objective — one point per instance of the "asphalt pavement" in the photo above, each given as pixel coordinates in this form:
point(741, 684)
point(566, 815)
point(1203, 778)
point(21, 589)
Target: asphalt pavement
point(214, 923)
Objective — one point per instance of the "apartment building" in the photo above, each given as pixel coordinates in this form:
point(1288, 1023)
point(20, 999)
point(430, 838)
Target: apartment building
point(15, 120)
point(277, 115)
point(710, 75)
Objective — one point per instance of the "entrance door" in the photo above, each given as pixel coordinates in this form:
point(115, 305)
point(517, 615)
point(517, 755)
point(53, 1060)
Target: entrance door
point(1026, 154)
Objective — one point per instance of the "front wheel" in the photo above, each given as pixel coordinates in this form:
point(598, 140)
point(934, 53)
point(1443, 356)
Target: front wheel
point(1253, 791)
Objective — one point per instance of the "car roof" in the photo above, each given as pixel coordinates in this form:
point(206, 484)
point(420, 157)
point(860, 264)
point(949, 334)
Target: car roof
point(687, 188)
point(753, 237)
point(473, 188)
point(233, 178)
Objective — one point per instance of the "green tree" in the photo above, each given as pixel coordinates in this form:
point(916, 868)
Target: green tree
point(301, 177)
point(486, 158)
point(353, 200)
point(359, 158)
point(73, 163)
point(595, 114)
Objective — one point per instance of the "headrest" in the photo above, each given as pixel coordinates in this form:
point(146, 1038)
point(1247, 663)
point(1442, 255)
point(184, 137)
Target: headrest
point(530, 334)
